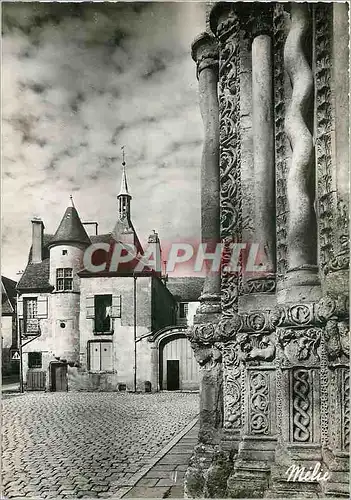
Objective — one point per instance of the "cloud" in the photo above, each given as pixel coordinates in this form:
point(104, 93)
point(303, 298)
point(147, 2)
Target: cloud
point(80, 81)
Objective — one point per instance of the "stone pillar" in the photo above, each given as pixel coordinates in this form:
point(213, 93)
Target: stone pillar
point(301, 280)
point(205, 54)
point(259, 27)
point(263, 134)
point(332, 143)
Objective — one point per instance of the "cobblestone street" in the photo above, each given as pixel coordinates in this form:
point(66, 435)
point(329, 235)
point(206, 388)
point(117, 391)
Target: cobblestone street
point(73, 445)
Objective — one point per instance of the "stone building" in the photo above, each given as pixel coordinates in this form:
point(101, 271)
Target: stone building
point(273, 346)
point(109, 330)
point(8, 327)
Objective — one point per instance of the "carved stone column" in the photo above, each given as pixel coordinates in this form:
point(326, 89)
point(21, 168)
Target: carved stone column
point(198, 476)
point(259, 286)
point(332, 143)
point(263, 133)
point(301, 280)
point(205, 54)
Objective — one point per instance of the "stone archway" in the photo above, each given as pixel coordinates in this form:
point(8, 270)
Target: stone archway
point(175, 367)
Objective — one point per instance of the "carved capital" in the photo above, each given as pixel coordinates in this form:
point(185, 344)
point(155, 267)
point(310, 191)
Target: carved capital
point(225, 17)
point(204, 51)
point(300, 346)
point(259, 20)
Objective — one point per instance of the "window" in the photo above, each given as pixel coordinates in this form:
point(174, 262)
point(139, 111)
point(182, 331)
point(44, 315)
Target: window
point(30, 316)
point(103, 312)
point(64, 279)
point(100, 356)
point(183, 309)
point(34, 360)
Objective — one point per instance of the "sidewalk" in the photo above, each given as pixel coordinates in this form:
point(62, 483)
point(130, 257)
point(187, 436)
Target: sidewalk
point(165, 478)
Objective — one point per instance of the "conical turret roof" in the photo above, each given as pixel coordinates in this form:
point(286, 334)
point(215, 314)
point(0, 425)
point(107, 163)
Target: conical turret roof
point(71, 229)
point(124, 185)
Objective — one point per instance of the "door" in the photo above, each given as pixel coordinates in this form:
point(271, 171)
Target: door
point(172, 374)
point(59, 377)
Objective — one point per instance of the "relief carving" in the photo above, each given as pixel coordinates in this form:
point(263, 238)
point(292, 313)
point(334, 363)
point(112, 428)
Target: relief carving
point(228, 33)
point(232, 388)
point(259, 418)
point(323, 132)
point(346, 409)
point(280, 137)
point(301, 429)
point(300, 345)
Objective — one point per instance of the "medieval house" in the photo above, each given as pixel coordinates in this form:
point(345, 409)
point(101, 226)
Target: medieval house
point(84, 330)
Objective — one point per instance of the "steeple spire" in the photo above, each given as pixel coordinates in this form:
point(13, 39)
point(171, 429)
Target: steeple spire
point(124, 196)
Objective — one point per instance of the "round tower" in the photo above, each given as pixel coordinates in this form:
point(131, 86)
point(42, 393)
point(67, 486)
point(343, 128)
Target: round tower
point(66, 257)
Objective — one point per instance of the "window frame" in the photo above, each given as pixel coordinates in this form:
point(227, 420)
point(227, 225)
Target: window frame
point(37, 365)
point(97, 330)
point(64, 279)
point(32, 318)
point(183, 310)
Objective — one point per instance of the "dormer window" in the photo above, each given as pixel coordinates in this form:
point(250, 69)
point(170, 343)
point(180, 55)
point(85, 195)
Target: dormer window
point(64, 279)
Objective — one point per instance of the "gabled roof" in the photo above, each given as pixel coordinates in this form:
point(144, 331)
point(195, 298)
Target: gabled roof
point(122, 230)
point(36, 277)
point(70, 230)
point(8, 296)
point(186, 289)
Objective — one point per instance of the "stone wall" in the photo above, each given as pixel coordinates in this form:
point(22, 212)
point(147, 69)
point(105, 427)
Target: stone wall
point(274, 359)
point(122, 373)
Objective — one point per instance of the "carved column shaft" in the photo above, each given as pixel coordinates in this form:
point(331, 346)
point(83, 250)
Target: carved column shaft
point(263, 136)
point(224, 21)
point(300, 184)
point(332, 142)
point(205, 53)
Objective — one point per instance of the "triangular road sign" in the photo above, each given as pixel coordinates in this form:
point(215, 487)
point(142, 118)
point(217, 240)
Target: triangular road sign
point(16, 355)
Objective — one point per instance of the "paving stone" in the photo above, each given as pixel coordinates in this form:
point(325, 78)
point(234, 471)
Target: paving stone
point(145, 481)
point(89, 435)
point(165, 482)
point(176, 492)
point(145, 492)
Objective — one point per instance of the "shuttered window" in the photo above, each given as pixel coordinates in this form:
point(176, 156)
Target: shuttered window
point(102, 308)
point(100, 356)
point(183, 309)
point(103, 313)
point(30, 315)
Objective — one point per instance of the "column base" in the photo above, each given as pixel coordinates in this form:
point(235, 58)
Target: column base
point(300, 284)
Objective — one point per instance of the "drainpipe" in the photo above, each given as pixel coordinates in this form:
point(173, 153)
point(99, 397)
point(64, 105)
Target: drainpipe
point(19, 336)
point(135, 332)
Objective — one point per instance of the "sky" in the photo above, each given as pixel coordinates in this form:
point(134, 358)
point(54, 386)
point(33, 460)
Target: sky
point(79, 81)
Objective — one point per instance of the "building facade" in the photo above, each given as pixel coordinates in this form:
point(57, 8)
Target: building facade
point(8, 327)
point(101, 331)
point(273, 346)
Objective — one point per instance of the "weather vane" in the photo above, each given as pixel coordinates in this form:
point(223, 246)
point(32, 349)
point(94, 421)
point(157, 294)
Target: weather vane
point(123, 156)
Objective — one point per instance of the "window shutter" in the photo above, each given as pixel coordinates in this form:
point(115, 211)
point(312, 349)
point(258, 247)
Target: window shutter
point(90, 306)
point(106, 356)
point(94, 356)
point(116, 306)
point(20, 307)
point(42, 307)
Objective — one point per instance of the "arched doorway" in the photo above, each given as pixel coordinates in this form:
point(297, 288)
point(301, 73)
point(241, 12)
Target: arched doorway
point(178, 369)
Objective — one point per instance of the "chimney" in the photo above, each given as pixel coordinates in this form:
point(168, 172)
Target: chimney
point(155, 245)
point(91, 228)
point(37, 240)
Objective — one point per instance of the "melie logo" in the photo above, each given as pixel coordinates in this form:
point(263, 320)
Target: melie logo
point(177, 258)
